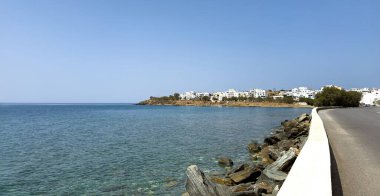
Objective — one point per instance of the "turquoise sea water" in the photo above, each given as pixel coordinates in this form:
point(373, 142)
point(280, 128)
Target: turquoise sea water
point(121, 149)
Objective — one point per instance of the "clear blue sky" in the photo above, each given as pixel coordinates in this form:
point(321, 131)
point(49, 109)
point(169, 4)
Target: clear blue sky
point(125, 51)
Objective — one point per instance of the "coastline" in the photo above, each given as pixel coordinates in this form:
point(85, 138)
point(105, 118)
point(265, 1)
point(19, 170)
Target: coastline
point(222, 104)
point(270, 164)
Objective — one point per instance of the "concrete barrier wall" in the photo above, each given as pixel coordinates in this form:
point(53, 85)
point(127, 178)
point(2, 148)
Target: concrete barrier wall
point(310, 174)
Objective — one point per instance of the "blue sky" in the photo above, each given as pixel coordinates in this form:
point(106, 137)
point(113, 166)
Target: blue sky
point(125, 51)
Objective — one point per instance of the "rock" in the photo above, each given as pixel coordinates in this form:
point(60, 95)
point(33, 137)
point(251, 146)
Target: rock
point(273, 153)
point(242, 187)
point(243, 190)
point(271, 140)
point(264, 153)
point(263, 187)
point(185, 194)
point(277, 169)
point(171, 184)
point(289, 125)
point(275, 190)
point(236, 169)
point(284, 145)
point(246, 174)
point(304, 117)
point(198, 184)
point(244, 193)
point(253, 148)
point(297, 132)
point(222, 181)
point(225, 162)
point(301, 142)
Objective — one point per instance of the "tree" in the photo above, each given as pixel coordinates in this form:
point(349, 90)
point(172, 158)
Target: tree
point(331, 96)
point(309, 101)
point(176, 96)
point(205, 98)
point(287, 99)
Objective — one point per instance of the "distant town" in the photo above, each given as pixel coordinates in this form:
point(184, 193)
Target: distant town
point(370, 95)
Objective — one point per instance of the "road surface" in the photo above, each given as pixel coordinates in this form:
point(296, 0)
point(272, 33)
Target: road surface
point(354, 137)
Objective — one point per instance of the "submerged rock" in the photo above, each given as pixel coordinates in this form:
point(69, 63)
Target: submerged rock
point(171, 184)
point(253, 147)
point(225, 162)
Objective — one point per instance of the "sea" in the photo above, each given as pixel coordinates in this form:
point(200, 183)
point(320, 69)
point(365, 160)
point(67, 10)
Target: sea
point(122, 149)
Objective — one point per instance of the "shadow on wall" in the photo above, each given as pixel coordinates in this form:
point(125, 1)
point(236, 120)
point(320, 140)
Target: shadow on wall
point(335, 178)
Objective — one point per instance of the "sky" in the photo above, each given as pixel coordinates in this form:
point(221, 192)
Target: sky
point(76, 51)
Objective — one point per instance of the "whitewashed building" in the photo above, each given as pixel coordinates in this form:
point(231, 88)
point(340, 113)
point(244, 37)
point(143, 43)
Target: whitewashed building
point(299, 92)
point(188, 95)
point(370, 98)
point(258, 93)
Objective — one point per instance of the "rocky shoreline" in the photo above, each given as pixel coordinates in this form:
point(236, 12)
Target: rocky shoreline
point(221, 103)
point(270, 164)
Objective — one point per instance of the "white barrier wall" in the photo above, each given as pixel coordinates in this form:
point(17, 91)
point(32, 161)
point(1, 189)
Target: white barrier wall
point(310, 174)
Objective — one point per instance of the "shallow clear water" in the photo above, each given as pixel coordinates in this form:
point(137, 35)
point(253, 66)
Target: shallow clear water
point(121, 149)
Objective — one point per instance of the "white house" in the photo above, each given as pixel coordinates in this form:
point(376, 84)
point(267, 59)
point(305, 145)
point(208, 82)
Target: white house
point(188, 95)
point(258, 93)
point(370, 98)
point(232, 93)
point(299, 92)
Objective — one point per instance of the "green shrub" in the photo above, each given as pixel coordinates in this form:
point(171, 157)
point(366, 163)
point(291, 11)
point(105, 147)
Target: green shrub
point(309, 101)
point(331, 96)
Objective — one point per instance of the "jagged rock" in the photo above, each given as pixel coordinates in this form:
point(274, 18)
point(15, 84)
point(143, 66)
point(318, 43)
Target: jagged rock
point(277, 169)
point(274, 153)
point(243, 190)
point(222, 181)
point(304, 117)
point(297, 132)
point(263, 187)
point(284, 145)
point(198, 184)
point(253, 148)
point(245, 174)
point(242, 187)
point(275, 190)
point(245, 193)
point(236, 169)
point(264, 153)
point(185, 194)
point(301, 142)
point(225, 162)
point(271, 140)
point(289, 125)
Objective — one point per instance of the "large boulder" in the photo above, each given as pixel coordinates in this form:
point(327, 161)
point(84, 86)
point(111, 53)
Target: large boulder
point(198, 184)
point(277, 170)
point(246, 173)
point(225, 162)
point(304, 117)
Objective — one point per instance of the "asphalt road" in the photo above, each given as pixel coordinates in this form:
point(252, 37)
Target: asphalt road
point(354, 137)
